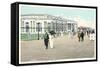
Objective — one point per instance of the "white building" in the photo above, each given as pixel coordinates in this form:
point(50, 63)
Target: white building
point(39, 23)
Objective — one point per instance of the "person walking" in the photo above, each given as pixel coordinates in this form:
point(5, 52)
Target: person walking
point(46, 39)
point(82, 36)
point(79, 36)
point(51, 40)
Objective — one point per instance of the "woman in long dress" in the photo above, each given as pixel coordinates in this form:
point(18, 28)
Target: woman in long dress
point(51, 40)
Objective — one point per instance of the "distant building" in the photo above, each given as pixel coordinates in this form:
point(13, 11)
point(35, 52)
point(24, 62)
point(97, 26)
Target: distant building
point(86, 30)
point(39, 23)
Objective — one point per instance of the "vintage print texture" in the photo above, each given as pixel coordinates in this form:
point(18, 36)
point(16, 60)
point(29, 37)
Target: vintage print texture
point(56, 33)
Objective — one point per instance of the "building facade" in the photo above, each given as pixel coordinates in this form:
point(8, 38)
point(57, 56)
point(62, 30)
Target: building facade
point(34, 24)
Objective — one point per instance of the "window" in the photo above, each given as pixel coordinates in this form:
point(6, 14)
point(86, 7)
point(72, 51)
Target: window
point(33, 28)
point(27, 26)
point(73, 28)
point(49, 26)
point(45, 25)
point(69, 26)
point(54, 26)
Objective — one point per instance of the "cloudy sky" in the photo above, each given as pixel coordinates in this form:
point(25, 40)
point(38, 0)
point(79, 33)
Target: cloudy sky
point(84, 16)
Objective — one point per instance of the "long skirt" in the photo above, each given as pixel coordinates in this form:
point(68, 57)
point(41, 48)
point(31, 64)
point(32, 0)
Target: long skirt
point(51, 43)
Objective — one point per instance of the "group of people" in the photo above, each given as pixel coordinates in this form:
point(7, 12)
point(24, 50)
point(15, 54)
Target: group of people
point(48, 40)
point(90, 34)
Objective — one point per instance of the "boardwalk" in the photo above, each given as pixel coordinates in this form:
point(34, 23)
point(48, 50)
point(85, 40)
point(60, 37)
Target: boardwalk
point(64, 48)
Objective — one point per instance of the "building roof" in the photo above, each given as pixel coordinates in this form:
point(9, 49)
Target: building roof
point(45, 16)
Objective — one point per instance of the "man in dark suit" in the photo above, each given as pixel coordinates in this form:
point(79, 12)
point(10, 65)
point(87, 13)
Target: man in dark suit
point(82, 36)
point(46, 39)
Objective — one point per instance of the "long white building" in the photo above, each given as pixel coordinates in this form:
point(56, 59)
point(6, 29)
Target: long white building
point(39, 23)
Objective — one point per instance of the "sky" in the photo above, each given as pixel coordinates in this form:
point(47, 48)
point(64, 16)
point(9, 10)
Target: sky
point(84, 16)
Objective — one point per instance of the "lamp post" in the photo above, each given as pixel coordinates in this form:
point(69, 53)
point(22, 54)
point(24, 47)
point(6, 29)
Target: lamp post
point(38, 29)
